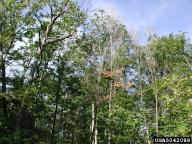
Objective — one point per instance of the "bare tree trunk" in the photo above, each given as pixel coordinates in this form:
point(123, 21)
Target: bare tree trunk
point(151, 32)
point(141, 93)
point(95, 108)
point(156, 110)
point(156, 101)
point(94, 124)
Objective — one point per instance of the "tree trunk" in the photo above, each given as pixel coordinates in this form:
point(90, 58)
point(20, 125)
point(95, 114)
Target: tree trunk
point(156, 111)
point(109, 128)
point(94, 124)
point(34, 67)
point(141, 94)
point(3, 68)
point(3, 76)
point(156, 101)
point(60, 75)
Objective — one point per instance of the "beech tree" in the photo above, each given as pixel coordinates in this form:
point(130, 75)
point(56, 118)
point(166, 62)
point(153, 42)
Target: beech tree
point(70, 78)
point(43, 26)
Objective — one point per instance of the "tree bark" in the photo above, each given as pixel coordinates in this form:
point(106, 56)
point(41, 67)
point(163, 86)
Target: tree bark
point(4, 101)
point(93, 124)
point(156, 102)
point(3, 68)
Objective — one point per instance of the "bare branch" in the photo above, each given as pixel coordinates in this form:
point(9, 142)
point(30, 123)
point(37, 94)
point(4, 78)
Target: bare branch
point(38, 19)
point(53, 19)
point(64, 37)
point(51, 9)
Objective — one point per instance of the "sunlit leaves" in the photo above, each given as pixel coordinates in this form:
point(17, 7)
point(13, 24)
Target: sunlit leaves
point(168, 52)
point(175, 94)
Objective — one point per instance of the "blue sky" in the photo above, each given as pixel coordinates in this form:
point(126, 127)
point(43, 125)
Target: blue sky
point(165, 16)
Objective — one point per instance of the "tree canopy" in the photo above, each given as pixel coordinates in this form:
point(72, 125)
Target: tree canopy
point(68, 77)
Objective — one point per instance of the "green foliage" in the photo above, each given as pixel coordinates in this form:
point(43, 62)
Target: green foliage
point(70, 91)
point(169, 52)
point(175, 95)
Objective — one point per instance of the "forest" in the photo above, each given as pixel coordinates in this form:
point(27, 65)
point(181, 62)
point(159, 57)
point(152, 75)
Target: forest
point(70, 74)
